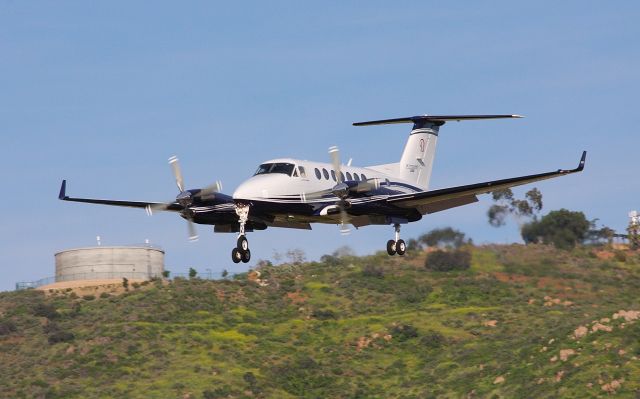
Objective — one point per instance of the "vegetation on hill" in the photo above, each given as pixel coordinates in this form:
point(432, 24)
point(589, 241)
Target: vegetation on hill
point(522, 321)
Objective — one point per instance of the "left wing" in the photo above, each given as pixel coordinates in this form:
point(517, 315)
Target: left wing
point(131, 204)
point(438, 200)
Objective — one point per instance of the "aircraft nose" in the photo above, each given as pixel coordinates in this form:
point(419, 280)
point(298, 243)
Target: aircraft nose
point(247, 190)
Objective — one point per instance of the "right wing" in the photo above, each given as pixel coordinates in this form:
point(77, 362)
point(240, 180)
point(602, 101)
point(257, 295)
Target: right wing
point(438, 200)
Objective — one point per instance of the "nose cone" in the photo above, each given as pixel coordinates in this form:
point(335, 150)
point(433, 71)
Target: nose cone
point(255, 187)
point(263, 186)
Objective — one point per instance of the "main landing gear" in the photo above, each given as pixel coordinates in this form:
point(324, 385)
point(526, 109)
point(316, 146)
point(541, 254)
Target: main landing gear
point(241, 252)
point(396, 246)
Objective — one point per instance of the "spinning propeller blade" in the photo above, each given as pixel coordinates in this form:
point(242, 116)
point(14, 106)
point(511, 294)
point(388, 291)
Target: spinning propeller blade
point(177, 172)
point(193, 233)
point(335, 160)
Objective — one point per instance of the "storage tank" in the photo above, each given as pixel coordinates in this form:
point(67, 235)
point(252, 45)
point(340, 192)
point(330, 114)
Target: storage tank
point(98, 263)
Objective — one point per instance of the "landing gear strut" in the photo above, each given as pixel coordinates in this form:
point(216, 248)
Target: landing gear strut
point(396, 246)
point(241, 252)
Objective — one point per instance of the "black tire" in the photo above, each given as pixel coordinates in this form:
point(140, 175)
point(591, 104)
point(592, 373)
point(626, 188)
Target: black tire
point(242, 244)
point(246, 256)
point(401, 247)
point(391, 247)
point(236, 256)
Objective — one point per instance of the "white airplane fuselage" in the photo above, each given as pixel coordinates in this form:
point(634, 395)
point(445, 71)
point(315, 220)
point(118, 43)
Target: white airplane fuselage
point(311, 177)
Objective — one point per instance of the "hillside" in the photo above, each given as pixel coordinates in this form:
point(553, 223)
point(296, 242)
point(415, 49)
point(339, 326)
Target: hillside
point(522, 322)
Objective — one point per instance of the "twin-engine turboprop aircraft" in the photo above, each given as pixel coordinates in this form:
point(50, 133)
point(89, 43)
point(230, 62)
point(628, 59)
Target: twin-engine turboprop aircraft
point(293, 193)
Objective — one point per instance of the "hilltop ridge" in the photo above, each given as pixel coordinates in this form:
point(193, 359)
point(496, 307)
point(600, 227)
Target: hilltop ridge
point(523, 321)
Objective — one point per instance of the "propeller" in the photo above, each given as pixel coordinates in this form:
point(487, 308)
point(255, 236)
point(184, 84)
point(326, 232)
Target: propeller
point(340, 190)
point(186, 197)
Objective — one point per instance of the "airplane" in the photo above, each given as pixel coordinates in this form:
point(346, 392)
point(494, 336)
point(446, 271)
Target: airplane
point(294, 193)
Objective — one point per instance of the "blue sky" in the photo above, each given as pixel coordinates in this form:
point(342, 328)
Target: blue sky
point(102, 94)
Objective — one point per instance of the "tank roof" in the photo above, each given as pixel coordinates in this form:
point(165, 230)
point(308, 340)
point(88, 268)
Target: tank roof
point(143, 246)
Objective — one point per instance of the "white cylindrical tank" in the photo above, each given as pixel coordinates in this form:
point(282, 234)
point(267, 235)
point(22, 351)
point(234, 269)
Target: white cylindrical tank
point(93, 263)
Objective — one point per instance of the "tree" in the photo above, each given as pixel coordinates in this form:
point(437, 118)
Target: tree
point(192, 272)
point(165, 273)
point(564, 229)
point(125, 283)
point(633, 232)
point(296, 256)
point(225, 273)
point(604, 233)
point(444, 238)
point(506, 204)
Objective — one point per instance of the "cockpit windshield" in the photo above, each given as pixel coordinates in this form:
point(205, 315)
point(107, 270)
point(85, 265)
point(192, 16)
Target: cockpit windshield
point(265, 168)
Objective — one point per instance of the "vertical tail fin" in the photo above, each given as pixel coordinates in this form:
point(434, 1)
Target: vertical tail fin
point(417, 158)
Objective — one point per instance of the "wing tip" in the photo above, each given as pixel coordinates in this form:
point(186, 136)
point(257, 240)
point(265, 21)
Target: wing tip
point(63, 191)
point(583, 160)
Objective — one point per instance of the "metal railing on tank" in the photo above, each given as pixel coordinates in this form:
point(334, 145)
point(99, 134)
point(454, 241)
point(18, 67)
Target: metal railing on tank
point(207, 275)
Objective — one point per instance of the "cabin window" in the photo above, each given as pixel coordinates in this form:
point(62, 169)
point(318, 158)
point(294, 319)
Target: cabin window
point(266, 168)
point(318, 174)
point(356, 177)
point(295, 172)
point(342, 176)
point(364, 178)
point(333, 175)
point(303, 173)
point(349, 176)
point(325, 173)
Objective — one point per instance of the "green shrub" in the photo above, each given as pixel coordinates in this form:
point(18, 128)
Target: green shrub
point(45, 310)
point(324, 314)
point(104, 295)
point(443, 261)
point(403, 332)
point(220, 392)
point(414, 293)
point(330, 260)
point(60, 336)
point(88, 297)
point(302, 377)
point(432, 340)
point(620, 256)
point(252, 382)
point(373, 271)
point(7, 327)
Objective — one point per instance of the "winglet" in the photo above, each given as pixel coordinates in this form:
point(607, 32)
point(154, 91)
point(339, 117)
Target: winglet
point(582, 161)
point(63, 191)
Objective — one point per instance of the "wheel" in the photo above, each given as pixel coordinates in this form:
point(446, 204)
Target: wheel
point(243, 244)
point(391, 247)
point(401, 247)
point(246, 256)
point(236, 256)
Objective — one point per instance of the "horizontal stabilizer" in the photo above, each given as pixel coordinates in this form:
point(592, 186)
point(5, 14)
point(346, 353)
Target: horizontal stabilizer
point(420, 120)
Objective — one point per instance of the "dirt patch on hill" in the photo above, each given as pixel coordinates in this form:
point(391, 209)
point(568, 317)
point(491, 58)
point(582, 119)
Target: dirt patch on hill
point(87, 287)
point(510, 278)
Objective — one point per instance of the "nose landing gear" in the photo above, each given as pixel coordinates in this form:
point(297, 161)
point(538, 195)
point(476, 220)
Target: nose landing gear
point(241, 252)
point(238, 255)
point(396, 246)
